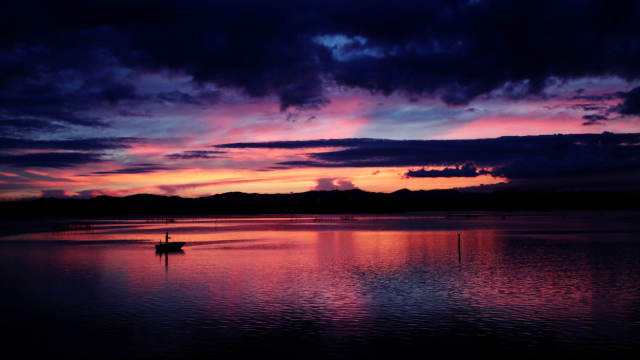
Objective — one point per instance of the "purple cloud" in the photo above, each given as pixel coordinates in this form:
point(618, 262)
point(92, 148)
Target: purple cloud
point(333, 184)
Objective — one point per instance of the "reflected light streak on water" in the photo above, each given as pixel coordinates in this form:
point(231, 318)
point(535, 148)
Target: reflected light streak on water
point(376, 289)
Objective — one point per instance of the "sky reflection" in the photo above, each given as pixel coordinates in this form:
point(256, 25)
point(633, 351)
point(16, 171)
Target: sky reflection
point(328, 291)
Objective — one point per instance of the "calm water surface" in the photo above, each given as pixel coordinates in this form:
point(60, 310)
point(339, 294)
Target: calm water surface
point(528, 286)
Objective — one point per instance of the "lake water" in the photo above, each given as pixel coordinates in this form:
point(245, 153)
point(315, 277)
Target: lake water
point(554, 285)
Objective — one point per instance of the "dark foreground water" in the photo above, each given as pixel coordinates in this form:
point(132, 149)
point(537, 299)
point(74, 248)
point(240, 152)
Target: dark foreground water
point(526, 286)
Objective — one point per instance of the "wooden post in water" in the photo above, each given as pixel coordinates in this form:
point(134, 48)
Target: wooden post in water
point(459, 255)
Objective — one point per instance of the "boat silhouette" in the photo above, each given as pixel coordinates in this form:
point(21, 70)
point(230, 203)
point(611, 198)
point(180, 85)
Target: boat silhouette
point(169, 246)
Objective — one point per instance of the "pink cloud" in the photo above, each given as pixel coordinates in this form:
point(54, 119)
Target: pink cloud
point(55, 193)
point(333, 184)
point(94, 193)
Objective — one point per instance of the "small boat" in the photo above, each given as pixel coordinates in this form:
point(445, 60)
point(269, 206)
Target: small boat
point(170, 246)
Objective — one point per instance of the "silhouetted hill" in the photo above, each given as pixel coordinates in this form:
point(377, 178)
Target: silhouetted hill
point(349, 201)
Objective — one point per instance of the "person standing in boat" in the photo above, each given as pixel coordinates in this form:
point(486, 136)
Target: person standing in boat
point(166, 239)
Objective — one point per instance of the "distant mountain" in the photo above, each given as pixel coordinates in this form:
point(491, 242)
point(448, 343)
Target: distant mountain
point(334, 201)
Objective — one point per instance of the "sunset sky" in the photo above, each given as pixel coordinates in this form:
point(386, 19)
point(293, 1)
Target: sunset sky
point(194, 98)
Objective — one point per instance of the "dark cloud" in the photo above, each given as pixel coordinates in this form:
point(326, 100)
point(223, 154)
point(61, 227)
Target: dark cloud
point(91, 144)
point(58, 92)
point(53, 193)
point(466, 170)
point(210, 97)
point(202, 98)
point(127, 113)
point(178, 97)
point(76, 152)
point(631, 104)
point(594, 98)
point(16, 186)
point(93, 193)
point(513, 157)
point(588, 107)
point(303, 96)
point(601, 182)
point(197, 154)
point(292, 117)
point(18, 175)
point(136, 169)
point(594, 120)
point(50, 159)
point(273, 168)
point(59, 59)
point(20, 127)
point(584, 161)
point(305, 144)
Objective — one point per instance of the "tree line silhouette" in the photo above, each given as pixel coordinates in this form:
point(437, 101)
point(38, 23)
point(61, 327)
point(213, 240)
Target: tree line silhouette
point(322, 202)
